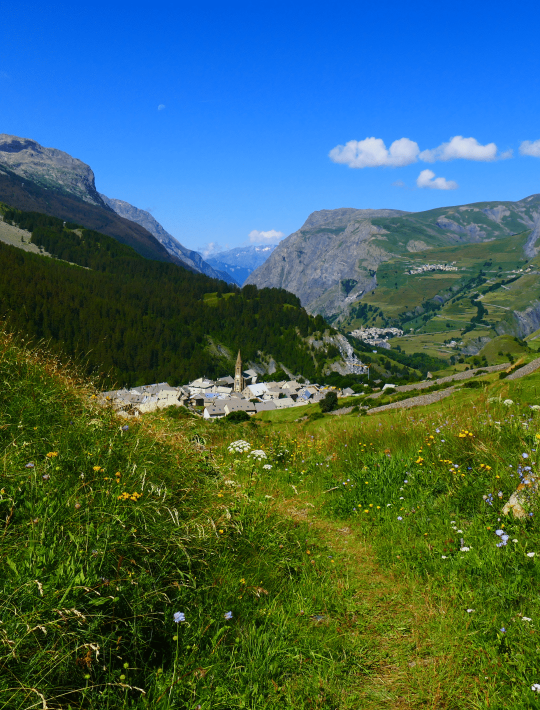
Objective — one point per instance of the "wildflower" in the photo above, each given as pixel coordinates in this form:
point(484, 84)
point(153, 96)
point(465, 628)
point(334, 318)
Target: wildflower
point(239, 447)
point(503, 630)
point(535, 688)
point(45, 477)
point(444, 557)
point(464, 549)
point(179, 616)
point(499, 532)
point(531, 554)
point(125, 427)
point(258, 455)
point(228, 615)
point(399, 517)
point(526, 618)
point(267, 466)
point(29, 465)
point(52, 454)
point(525, 456)
point(470, 611)
point(508, 402)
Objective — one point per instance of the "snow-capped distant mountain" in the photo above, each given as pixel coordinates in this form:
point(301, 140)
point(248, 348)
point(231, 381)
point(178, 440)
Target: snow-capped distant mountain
point(242, 261)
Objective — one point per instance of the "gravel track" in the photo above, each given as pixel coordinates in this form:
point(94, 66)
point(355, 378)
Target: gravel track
point(525, 370)
point(419, 401)
point(465, 375)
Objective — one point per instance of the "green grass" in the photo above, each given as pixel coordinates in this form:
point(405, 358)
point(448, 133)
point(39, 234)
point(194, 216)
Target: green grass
point(414, 486)
point(109, 529)
point(338, 554)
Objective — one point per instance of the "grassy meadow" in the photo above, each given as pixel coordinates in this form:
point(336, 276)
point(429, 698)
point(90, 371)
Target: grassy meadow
point(336, 563)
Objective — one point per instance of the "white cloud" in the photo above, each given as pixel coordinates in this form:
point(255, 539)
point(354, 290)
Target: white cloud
point(161, 107)
point(427, 179)
point(270, 237)
point(372, 153)
point(464, 148)
point(530, 148)
point(399, 183)
point(210, 249)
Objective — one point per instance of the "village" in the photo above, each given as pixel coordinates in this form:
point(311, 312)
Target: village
point(214, 399)
point(377, 336)
point(432, 267)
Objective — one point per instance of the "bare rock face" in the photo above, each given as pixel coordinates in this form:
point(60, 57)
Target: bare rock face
point(49, 167)
point(330, 260)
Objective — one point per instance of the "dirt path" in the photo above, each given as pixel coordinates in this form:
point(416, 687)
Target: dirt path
point(395, 615)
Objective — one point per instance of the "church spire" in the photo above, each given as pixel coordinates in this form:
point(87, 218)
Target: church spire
point(238, 378)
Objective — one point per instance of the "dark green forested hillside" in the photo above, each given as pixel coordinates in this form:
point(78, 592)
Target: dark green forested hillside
point(138, 320)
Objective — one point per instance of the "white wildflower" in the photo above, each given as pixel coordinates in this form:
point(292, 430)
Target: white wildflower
point(530, 554)
point(267, 466)
point(239, 447)
point(258, 455)
point(464, 549)
point(508, 402)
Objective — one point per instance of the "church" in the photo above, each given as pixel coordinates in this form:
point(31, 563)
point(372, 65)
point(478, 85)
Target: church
point(243, 379)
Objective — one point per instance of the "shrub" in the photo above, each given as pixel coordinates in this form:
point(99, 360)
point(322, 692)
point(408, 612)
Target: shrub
point(329, 402)
point(238, 416)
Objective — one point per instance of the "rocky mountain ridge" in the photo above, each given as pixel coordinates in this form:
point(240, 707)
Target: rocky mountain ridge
point(191, 258)
point(49, 167)
point(55, 183)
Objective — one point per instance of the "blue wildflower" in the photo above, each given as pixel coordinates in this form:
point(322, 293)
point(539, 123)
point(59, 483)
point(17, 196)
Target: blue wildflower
point(179, 616)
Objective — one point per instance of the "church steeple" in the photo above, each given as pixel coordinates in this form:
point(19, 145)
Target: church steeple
point(238, 378)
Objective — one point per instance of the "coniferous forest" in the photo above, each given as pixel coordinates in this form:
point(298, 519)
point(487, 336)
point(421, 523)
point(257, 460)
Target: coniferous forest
point(135, 320)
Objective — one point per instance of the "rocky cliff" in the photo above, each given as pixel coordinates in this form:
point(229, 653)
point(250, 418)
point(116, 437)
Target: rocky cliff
point(49, 167)
point(47, 180)
point(331, 258)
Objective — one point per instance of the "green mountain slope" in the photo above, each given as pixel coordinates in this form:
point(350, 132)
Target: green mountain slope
point(332, 263)
point(492, 289)
point(141, 320)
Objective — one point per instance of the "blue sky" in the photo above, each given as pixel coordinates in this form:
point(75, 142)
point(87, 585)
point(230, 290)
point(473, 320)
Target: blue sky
point(221, 118)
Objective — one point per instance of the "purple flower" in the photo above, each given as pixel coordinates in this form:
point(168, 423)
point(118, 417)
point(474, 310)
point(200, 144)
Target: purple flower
point(399, 517)
point(228, 615)
point(29, 465)
point(125, 427)
point(525, 456)
point(503, 630)
point(179, 616)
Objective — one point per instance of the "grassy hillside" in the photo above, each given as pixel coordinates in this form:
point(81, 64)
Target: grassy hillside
point(138, 320)
point(335, 563)
point(135, 573)
point(492, 282)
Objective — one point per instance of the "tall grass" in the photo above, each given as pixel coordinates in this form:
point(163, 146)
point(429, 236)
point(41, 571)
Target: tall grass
point(108, 531)
point(426, 490)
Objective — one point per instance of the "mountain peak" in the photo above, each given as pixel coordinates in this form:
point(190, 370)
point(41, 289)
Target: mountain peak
point(49, 167)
